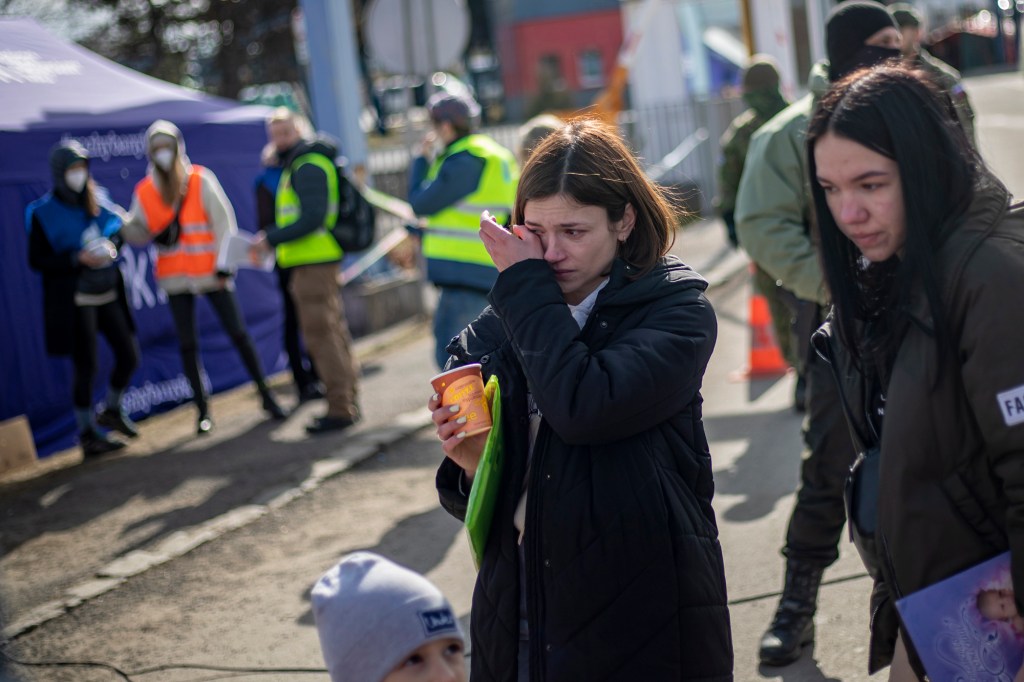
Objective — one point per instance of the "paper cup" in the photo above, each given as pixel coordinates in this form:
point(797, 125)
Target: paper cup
point(464, 386)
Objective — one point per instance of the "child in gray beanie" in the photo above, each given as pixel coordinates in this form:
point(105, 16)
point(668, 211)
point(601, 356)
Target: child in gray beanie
point(380, 622)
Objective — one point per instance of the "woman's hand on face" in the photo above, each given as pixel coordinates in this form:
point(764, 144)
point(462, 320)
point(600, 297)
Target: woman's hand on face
point(508, 248)
point(464, 451)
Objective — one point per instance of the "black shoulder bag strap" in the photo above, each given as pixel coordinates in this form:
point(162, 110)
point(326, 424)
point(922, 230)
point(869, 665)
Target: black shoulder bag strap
point(860, 493)
point(168, 237)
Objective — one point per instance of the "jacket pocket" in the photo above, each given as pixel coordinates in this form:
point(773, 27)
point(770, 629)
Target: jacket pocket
point(684, 503)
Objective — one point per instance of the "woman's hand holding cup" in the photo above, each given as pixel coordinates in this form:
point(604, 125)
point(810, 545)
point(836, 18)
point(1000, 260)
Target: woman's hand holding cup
point(462, 449)
point(460, 412)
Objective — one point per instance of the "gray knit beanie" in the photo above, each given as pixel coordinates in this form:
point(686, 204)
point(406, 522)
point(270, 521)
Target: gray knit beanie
point(371, 613)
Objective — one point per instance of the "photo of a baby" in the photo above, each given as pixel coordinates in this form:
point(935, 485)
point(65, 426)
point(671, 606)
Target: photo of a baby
point(999, 604)
point(968, 626)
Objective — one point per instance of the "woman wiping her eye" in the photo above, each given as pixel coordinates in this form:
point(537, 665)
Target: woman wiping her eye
point(603, 560)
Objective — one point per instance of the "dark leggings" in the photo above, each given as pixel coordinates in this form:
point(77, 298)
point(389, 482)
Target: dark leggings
point(112, 321)
point(183, 309)
point(301, 365)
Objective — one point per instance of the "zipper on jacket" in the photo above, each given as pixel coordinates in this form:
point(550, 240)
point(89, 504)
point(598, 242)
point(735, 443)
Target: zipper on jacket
point(890, 564)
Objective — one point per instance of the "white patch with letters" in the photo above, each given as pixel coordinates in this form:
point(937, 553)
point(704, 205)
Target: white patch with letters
point(1012, 404)
point(438, 620)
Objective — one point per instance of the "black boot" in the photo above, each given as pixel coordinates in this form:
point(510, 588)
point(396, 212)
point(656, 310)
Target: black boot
point(95, 444)
point(792, 627)
point(270, 405)
point(116, 420)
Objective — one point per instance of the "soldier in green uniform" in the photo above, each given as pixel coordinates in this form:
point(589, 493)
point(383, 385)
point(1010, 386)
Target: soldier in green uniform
point(911, 25)
point(763, 99)
point(762, 95)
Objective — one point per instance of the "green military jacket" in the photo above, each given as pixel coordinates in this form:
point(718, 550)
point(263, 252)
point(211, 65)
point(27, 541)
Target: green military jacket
point(774, 209)
point(948, 78)
point(736, 141)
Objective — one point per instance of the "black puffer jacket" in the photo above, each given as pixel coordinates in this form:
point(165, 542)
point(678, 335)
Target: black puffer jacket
point(623, 565)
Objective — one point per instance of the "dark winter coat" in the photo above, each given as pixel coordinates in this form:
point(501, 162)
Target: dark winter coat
point(60, 271)
point(952, 447)
point(623, 565)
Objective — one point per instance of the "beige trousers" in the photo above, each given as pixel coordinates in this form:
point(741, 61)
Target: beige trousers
point(317, 297)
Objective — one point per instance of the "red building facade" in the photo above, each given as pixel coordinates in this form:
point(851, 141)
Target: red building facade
point(558, 62)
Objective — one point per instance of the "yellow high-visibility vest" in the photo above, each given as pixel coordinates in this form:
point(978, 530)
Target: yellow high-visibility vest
point(318, 246)
point(453, 233)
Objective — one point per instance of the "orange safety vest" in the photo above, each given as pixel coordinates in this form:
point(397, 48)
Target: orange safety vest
point(195, 254)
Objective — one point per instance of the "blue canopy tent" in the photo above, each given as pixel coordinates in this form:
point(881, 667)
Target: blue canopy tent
point(54, 90)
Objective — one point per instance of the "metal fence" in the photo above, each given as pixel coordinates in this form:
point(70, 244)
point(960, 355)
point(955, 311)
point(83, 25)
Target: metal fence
point(677, 143)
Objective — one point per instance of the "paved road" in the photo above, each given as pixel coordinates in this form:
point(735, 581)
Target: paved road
point(998, 101)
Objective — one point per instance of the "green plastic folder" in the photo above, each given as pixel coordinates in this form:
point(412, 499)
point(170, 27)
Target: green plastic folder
point(484, 493)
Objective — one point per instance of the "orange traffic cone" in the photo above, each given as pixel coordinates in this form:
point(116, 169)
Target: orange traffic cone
point(766, 359)
point(765, 356)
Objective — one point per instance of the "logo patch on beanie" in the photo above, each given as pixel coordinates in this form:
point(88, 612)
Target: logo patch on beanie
point(437, 620)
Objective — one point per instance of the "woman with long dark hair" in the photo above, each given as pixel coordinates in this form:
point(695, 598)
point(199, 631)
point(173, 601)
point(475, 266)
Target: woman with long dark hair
point(924, 258)
point(603, 560)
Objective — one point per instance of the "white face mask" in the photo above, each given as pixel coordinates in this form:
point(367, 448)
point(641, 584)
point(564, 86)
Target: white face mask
point(76, 179)
point(163, 158)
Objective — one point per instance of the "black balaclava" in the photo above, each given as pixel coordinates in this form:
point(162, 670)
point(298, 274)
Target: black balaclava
point(848, 26)
point(61, 157)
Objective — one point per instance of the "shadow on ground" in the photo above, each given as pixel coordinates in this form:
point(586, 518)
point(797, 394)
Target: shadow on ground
point(804, 669)
point(768, 469)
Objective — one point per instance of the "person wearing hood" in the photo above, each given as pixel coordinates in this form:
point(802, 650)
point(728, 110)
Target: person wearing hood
point(774, 222)
point(602, 560)
point(306, 209)
point(74, 236)
point(182, 209)
point(763, 98)
point(762, 95)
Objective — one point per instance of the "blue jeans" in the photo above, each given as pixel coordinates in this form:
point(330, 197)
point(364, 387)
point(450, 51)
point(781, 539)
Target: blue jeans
point(456, 308)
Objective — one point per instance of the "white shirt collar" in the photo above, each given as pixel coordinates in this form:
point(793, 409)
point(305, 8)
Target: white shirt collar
point(581, 311)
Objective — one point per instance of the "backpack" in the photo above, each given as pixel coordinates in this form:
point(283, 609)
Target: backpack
point(356, 225)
